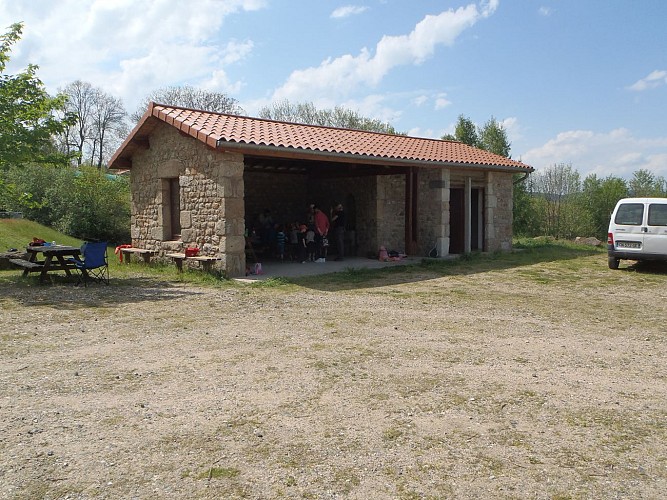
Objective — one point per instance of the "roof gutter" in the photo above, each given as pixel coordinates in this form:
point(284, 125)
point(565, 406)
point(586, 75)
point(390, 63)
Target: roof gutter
point(521, 179)
point(279, 151)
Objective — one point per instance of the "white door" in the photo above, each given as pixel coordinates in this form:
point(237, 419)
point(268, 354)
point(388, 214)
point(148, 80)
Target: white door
point(655, 232)
point(628, 228)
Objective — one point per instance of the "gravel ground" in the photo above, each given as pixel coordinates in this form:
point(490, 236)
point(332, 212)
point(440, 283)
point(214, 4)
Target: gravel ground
point(542, 381)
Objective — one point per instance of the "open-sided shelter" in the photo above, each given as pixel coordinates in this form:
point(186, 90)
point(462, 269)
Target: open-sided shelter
point(201, 178)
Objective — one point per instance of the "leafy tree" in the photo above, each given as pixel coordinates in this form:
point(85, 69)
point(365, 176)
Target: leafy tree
point(190, 97)
point(524, 222)
point(465, 132)
point(493, 138)
point(599, 197)
point(644, 183)
point(85, 203)
point(27, 113)
point(337, 117)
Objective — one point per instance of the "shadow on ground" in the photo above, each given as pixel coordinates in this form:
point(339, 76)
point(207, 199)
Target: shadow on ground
point(62, 292)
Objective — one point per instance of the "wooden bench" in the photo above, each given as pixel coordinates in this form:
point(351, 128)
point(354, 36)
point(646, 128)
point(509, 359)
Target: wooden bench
point(27, 265)
point(145, 254)
point(206, 262)
point(178, 258)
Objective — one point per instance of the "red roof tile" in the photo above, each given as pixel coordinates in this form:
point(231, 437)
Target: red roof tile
point(216, 130)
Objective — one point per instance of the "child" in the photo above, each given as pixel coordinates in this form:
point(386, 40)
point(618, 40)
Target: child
point(301, 245)
point(311, 246)
point(281, 238)
point(294, 241)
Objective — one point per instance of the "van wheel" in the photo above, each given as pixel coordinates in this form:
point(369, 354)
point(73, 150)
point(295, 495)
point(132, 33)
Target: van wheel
point(613, 262)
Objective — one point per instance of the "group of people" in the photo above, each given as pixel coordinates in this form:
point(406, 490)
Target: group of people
point(306, 241)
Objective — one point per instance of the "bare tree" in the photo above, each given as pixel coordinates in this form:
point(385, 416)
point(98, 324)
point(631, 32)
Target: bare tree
point(99, 123)
point(337, 117)
point(79, 102)
point(190, 97)
point(108, 127)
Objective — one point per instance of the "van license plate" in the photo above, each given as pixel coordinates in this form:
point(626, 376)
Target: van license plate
point(628, 244)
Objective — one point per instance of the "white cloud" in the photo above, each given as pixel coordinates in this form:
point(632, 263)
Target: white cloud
point(441, 101)
point(545, 11)
point(654, 79)
point(127, 47)
point(344, 74)
point(347, 11)
point(617, 152)
point(512, 127)
point(420, 100)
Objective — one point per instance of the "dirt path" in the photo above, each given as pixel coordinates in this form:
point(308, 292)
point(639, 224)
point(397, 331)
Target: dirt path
point(546, 381)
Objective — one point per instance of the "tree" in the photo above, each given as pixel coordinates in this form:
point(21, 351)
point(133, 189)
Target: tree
point(27, 113)
point(108, 127)
point(599, 197)
point(492, 137)
point(190, 97)
point(98, 123)
point(644, 183)
point(559, 186)
point(337, 117)
point(465, 132)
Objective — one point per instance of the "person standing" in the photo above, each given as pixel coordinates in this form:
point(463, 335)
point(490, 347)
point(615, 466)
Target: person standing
point(321, 232)
point(338, 227)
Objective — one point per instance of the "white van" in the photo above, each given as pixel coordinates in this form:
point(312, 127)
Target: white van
point(637, 230)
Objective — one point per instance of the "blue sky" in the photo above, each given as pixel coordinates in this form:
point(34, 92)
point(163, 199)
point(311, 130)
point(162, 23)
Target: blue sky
point(582, 82)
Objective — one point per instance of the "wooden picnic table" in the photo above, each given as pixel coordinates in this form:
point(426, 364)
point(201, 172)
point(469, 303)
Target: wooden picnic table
point(56, 258)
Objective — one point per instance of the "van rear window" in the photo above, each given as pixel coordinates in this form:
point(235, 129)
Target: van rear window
point(657, 214)
point(630, 214)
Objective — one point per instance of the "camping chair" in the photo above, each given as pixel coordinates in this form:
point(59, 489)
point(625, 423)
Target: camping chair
point(93, 264)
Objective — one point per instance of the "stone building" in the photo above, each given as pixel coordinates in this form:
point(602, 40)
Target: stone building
point(201, 178)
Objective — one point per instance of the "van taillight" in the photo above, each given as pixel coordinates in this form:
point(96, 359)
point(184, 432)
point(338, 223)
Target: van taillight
point(610, 239)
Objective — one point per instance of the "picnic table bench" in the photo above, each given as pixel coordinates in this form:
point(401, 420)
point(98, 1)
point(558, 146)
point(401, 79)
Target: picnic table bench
point(26, 264)
point(145, 254)
point(205, 261)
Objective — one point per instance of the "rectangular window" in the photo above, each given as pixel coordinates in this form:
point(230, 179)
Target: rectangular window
point(630, 214)
point(172, 208)
point(657, 214)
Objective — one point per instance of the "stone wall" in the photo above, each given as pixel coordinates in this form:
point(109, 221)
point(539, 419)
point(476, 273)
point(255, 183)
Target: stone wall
point(498, 211)
point(211, 198)
point(391, 212)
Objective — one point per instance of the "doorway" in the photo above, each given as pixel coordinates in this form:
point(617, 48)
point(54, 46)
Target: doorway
point(457, 220)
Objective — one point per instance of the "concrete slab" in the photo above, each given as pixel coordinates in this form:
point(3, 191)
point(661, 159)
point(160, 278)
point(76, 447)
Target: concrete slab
point(276, 269)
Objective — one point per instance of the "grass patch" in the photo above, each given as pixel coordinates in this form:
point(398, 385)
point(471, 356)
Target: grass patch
point(219, 473)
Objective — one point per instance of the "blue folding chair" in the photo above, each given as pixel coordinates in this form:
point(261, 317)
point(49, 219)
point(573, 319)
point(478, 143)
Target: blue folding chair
point(93, 264)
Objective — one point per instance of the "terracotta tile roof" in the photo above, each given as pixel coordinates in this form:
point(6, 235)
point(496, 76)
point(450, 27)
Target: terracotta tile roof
point(218, 130)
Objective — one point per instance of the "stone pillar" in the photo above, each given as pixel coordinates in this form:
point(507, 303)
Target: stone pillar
point(230, 227)
point(467, 211)
point(442, 242)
